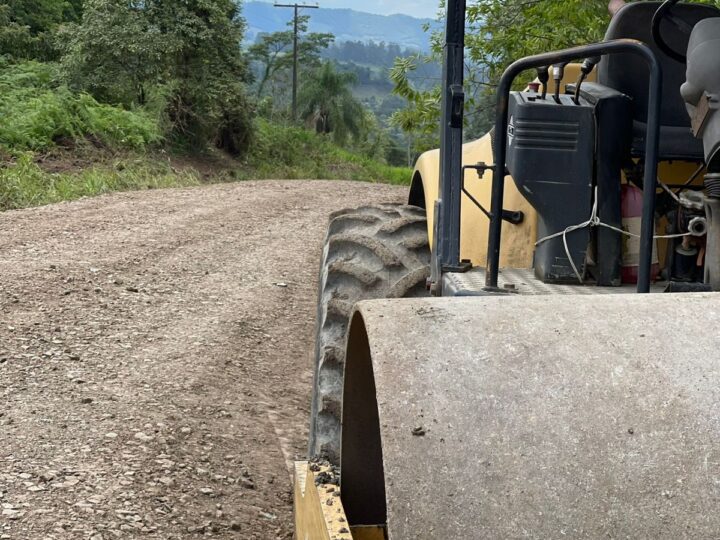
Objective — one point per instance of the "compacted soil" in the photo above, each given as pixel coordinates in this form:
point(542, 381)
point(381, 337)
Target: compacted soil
point(155, 359)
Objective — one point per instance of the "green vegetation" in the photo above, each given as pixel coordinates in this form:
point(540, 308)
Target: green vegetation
point(292, 152)
point(278, 152)
point(328, 104)
point(329, 98)
point(272, 54)
point(28, 27)
point(23, 183)
point(114, 94)
point(183, 58)
point(38, 112)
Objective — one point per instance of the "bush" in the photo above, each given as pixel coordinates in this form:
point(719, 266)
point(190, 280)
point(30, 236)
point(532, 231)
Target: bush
point(37, 113)
point(291, 152)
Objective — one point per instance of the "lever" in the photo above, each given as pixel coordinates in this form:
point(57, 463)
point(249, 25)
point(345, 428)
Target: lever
point(585, 69)
point(558, 74)
point(543, 74)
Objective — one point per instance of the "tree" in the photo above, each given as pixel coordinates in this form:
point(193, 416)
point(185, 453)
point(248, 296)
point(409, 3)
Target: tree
point(503, 31)
point(119, 51)
point(273, 52)
point(499, 32)
point(184, 55)
point(327, 103)
point(421, 117)
point(27, 27)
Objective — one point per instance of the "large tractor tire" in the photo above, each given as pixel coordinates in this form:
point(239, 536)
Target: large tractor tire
point(370, 252)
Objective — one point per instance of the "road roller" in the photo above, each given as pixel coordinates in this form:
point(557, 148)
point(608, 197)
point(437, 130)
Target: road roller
point(526, 348)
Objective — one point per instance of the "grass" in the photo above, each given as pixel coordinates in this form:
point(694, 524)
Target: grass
point(24, 184)
point(40, 116)
point(296, 153)
point(279, 152)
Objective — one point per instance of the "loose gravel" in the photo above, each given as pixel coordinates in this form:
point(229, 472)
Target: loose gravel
point(155, 362)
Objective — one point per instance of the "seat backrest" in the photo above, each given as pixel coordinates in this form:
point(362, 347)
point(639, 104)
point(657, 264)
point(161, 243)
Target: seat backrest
point(629, 74)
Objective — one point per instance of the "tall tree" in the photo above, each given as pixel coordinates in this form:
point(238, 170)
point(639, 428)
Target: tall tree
point(327, 102)
point(185, 54)
point(272, 53)
point(27, 27)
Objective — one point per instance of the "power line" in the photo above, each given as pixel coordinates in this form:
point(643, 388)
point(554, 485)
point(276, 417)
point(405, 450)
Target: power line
point(297, 8)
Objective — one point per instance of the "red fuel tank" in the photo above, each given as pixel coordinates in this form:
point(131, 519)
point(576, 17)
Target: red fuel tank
point(632, 205)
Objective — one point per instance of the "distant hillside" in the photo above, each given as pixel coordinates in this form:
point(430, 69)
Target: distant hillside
point(346, 24)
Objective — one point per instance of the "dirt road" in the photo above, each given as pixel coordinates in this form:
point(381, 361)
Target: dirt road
point(155, 359)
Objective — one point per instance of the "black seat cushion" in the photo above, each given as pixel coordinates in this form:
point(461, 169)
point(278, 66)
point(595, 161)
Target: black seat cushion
point(629, 74)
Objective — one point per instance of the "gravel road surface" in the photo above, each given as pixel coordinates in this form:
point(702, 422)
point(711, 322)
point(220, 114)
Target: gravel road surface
point(155, 359)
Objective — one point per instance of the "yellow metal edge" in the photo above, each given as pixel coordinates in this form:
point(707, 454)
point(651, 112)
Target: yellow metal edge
point(319, 513)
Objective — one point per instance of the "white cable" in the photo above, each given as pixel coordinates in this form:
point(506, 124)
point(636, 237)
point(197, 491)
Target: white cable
point(594, 221)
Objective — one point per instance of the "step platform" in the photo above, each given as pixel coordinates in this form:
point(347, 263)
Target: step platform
point(523, 281)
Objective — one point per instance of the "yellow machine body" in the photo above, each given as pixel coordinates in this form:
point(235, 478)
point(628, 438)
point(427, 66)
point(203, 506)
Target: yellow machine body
point(518, 241)
point(397, 340)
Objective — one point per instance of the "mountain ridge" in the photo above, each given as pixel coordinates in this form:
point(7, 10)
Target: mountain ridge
point(346, 24)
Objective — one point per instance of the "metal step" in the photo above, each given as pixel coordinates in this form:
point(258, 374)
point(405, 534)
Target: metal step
point(523, 281)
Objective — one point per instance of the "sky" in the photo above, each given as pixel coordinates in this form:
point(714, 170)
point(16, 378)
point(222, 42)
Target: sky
point(416, 8)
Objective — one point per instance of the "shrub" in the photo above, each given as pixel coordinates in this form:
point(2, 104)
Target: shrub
point(37, 112)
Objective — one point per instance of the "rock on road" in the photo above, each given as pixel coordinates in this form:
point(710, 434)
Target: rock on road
point(155, 363)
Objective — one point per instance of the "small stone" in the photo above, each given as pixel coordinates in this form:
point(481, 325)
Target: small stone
point(419, 431)
point(247, 483)
point(111, 435)
point(143, 437)
point(132, 289)
point(86, 400)
point(235, 526)
point(71, 481)
point(12, 514)
point(206, 491)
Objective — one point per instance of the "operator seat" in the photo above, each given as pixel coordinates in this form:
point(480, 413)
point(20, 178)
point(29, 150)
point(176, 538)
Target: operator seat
point(628, 73)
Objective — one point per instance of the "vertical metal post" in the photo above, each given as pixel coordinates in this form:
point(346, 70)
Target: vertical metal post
point(295, 65)
point(451, 137)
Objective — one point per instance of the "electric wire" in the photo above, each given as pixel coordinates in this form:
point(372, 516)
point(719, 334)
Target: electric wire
point(595, 221)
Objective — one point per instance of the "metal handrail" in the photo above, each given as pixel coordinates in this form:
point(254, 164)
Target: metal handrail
point(651, 150)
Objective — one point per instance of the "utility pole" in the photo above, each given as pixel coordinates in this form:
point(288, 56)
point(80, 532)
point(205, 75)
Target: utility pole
point(297, 8)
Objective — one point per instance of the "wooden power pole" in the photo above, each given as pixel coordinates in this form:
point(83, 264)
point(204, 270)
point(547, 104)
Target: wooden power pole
point(297, 8)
